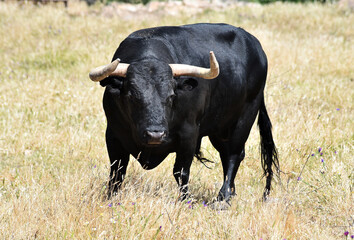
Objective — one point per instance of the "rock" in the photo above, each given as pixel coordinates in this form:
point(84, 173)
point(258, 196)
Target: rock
point(156, 9)
point(346, 4)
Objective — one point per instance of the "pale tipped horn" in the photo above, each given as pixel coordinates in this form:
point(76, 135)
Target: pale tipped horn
point(115, 68)
point(189, 70)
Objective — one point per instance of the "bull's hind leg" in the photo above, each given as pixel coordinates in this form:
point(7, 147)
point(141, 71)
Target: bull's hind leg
point(119, 159)
point(231, 159)
point(232, 150)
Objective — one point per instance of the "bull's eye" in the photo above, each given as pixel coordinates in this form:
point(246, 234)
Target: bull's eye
point(170, 99)
point(128, 96)
point(132, 97)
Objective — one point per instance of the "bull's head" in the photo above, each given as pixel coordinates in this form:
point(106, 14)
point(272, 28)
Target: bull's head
point(147, 92)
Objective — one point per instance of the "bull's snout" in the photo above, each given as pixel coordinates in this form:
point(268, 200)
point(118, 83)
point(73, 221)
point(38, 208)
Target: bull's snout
point(155, 137)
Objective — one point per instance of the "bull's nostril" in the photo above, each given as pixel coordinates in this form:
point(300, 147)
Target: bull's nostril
point(155, 137)
point(155, 134)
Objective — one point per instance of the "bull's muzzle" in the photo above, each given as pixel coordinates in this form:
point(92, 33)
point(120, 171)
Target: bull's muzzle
point(155, 137)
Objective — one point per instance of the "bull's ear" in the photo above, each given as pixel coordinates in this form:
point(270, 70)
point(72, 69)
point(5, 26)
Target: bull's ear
point(114, 82)
point(187, 84)
point(104, 82)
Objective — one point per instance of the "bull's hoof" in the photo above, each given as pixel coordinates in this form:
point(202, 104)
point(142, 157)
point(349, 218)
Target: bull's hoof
point(112, 190)
point(109, 195)
point(220, 205)
point(184, 196)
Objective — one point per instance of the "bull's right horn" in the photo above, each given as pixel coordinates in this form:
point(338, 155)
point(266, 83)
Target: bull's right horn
point(115, 68)
point(194, 71)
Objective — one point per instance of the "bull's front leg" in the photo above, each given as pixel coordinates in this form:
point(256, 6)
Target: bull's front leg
point(181, 172)
point(119, 159)
point(184, 158)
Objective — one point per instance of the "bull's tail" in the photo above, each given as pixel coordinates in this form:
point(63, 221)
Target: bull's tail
point(199, 156)
point(269, 155)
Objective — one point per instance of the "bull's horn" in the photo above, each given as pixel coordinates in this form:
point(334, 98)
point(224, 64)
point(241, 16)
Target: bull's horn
point(113, 69)
point(189, 70)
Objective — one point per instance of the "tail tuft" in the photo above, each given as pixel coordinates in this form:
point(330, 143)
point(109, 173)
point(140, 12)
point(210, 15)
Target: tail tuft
point(269, 154)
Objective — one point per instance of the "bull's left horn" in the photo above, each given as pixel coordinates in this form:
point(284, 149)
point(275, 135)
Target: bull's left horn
point(113, 69)
point(189, 70)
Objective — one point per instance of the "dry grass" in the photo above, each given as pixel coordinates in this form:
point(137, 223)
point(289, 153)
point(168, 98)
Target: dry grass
point(54, 163)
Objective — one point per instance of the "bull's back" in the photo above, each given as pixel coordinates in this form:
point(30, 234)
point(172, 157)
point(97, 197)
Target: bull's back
point(189, 43)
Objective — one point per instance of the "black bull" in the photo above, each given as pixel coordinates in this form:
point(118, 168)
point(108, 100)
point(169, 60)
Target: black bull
point(152, 111)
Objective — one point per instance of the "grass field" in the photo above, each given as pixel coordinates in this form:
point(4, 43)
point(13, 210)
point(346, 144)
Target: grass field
point(53, 160)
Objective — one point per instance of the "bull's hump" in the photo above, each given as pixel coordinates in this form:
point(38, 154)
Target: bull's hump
point(156, 32)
